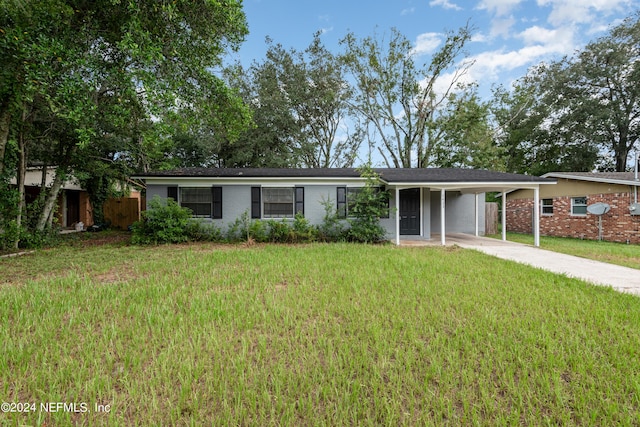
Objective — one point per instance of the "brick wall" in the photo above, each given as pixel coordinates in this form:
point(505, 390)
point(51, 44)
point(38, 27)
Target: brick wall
point(617, 224)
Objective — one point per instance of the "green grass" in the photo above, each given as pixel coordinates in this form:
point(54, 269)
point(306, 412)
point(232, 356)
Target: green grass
point(611, 252)
point(312, 335)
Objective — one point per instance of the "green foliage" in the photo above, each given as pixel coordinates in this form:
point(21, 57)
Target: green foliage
point(197, 231)
point(259, 231)
point(332, 228)
point(238, 230)
point(299, 102)
point(370, 205)
point(389, 81)
point(34, 239)
point(164, 221)
point(280, 231)
point(303, 231)
point(578, 113)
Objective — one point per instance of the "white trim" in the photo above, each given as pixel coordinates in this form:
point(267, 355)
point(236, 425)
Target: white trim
point(536, 217)
point(443, 228)
point(630, 182)
point(586, 203)
point(504, 216)
point(477, 216)
point(254, 182)
point(397, 216)
point(421, 211)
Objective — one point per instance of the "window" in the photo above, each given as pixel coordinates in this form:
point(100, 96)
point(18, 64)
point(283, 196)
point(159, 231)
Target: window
point(203, 202)
point(277, 202)
point(547, 206)
point(347, 196)
point(578, 206)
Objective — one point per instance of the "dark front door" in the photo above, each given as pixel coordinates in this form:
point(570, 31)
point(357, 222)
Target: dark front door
point(73, 207)
point(410, 211)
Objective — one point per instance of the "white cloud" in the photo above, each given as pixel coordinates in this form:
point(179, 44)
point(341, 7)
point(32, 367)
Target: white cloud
point(501, 27)
point(427, 43)
point(582, 11)
point(408, 11)
point(499, 7)
point(326, 30)
point(445, 4)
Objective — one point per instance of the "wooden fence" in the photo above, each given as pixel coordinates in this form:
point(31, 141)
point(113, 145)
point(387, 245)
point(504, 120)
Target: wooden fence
point(491, 211)
point(123, 212)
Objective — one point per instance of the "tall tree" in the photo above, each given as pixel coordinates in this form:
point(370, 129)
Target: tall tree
point(534, 138)
point(466, 134)
point(300, 105)
point(584, 108)
point(107, 71)
point(398, 97)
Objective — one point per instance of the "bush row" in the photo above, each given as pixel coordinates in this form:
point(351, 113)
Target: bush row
point(167, 222)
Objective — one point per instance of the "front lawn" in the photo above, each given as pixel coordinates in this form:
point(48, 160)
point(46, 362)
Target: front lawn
point(323, 334)
point(611, 252)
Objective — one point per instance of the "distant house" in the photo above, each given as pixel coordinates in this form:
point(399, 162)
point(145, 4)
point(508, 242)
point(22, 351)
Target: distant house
point(564, 206)
point(73, 201)
point(422, 201)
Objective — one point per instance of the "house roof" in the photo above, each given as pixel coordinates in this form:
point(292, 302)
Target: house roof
point(387, 175)
point(624, 178)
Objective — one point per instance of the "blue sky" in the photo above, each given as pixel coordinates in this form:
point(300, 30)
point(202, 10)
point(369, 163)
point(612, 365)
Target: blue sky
point(510, 36)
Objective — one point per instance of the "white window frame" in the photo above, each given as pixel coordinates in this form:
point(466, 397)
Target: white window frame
point(265, 200)
point(203, 189)
point(543, 206)
point(574, 205)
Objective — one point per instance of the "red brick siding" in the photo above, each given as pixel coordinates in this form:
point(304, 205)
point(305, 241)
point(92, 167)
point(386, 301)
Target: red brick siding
point(618, 225)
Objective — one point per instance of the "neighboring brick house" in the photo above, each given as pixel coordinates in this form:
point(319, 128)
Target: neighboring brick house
point(563, 207)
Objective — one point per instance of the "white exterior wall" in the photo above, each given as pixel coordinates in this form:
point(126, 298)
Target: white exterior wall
point(460, 209)
point(459, 213)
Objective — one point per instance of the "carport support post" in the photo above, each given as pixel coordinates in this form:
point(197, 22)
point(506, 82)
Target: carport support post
point(442, 224)
point(536, 216)
point(504, 215)
point(477, 216)
point(397, 216)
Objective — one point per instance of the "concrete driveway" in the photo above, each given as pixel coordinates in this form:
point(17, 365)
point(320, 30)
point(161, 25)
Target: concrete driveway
point(620, 278)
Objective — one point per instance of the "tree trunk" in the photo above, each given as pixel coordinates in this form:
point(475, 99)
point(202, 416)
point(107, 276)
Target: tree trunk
point(46, 215)
point(20, 178)
point(5, 122)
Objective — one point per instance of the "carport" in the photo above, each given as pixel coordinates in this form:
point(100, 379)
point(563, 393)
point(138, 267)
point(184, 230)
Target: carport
point(463, 181)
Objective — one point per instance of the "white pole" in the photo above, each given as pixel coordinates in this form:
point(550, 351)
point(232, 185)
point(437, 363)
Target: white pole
point(504, 216)
point(442, 212)
point(397, 216)
point(536, 216)
point(477, 216)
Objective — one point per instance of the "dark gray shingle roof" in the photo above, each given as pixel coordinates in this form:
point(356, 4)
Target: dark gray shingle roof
point(389, 175)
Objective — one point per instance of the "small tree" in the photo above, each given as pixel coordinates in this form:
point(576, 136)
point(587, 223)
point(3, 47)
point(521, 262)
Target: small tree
point(370, 205)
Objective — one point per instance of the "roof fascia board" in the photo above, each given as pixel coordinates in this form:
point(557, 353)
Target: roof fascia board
point(208, 180)
point(593, 179)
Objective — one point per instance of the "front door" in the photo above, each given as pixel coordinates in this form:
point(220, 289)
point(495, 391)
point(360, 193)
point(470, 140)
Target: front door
point(410, 211)
point(73, 208)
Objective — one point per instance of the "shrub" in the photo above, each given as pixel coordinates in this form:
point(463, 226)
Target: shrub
point(370, 205)
point(280, 231)
point(33, 239)
point(332, 228)
point(239, 229)
point(165, 221)
point(203, 232)
point(303, 231)
point(258, 231)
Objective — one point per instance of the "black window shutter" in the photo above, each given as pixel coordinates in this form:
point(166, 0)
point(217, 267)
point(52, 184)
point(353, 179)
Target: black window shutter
point(172, 193)
point(342, 202)
point(216, 199)
point(255, 202)
point(383, 189)
point(300, 200)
